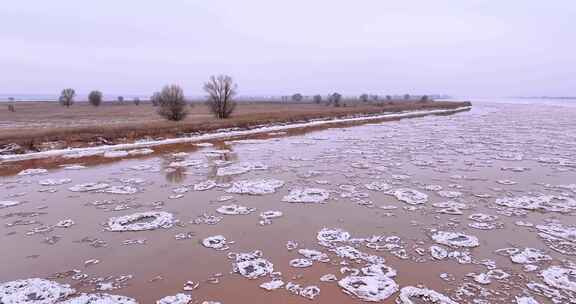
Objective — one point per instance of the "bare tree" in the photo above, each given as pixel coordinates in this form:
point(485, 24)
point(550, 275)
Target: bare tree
point(317, 99)
point(95, 98)
point(155, 99)
point(335, 99)
point(297, 97)
point(121, 99)
point(221, 89)
point(364, 97)
point(137, 101)
point(67, 97)
point(172, 103)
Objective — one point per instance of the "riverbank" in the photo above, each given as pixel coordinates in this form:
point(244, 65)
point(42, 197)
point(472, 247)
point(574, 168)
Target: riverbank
point(37, 127)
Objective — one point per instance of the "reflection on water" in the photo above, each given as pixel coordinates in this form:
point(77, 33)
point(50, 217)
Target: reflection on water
point(482, 201)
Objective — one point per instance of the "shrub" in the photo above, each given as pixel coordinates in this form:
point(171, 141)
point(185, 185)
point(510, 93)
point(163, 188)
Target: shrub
point(95, 98)
point(335, 99)
point(221, 90)
point(11, 108)
point(364, 97)
point(155, 99)
point(67, 97)
point(137, 101)
point(317, 99)
point(424, 98)
point(172, 103)
point(121, 99)
point(297, 97)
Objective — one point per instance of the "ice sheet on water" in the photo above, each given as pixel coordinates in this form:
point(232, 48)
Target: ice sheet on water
point(33, 291)
point(186, 163)
point(179, 298)
point(559, 237)
point(526, 300)
point(307, 195)
point(425, 295)
point(449, 194)
point(205, 185)
point(369, 288)
point(410, 196)
point(240, 168)
point(6, 204)
point(378, 186)
point(141, 221)
point(32, 171)
point(89, 187)
point(551, 203)
point(438, 252)
point(54, 181)
point(455, 239)
point(256, 187)
point(115, 153)
point(234, 209)
point(379, 270)
point(124, 189)
point(99, 298)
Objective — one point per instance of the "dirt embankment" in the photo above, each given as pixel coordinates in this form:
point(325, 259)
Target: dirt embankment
point(39, 126)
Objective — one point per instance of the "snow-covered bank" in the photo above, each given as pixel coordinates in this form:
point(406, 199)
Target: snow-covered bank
point(91, 151)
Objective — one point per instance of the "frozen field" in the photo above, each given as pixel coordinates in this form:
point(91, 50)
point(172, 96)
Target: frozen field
point(476, 207)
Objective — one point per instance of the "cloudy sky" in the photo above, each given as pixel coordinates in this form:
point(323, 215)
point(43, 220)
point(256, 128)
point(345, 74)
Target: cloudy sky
point(472, 47)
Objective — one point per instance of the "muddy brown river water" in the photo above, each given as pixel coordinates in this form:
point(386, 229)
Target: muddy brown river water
point(475, 207)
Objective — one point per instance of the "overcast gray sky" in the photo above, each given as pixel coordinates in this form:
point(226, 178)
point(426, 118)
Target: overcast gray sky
point(460, 47)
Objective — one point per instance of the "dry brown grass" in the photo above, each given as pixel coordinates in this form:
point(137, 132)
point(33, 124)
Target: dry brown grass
point(38, 122)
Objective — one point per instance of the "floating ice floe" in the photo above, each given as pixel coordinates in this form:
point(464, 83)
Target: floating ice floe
point(179, 298)
point(307, 195)
point(526, 300)
point(272, 285)
point(481, 217)
point(217, 242)
point(143, 151)
point(379, 270)
point(410, 196)
point(240, 168)
point(37, 171)
point(99, 298)
point(455, 239)
point(328, 278)
point(438, 252)
point(530, 256)
point(234, 209)
point(67, 223)
point(89, 187)
point(251, 265)
point(33, 291)
point(449, 194)
point(141, 221)
point(378, 186)
point(560, 277)
point(550, 203)
point(369, 288)
point(300, 263)
point(125, 190)
point(408, 293)
point(205, 185)
point(54, 182)
point(255, 187)
point(267, 216)
point(6, 204)
point(314, 255)
point(559, 237)
point(329, 235)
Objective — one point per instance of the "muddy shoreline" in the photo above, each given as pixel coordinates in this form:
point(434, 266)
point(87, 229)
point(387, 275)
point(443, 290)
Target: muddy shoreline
point(22, 140)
